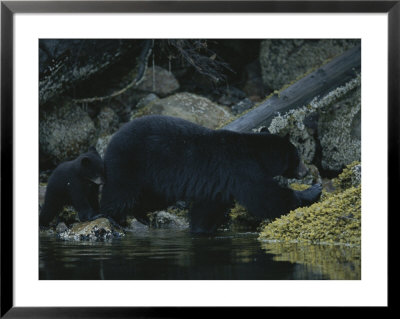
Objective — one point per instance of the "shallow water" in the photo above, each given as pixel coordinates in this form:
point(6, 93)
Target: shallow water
point(177, 254)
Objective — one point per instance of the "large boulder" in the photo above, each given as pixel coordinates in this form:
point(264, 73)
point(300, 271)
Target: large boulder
point(284, 61)
point(64, 133)
point(190, 107)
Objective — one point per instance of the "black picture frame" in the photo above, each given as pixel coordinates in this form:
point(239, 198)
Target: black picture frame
point(9, 8)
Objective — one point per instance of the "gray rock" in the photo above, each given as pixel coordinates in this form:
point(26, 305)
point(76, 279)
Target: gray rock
point(159, 81)
point(65, 132)
point(284, 61)
point(191, 107)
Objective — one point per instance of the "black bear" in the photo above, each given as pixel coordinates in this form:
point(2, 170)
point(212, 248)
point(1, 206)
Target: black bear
point(153, 161)
point(74, 183)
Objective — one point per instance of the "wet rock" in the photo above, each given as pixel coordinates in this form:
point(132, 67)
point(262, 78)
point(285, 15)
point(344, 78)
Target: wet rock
point(61, 227)
point(283, 61)
point(64, 133)
point(190, 107)
point(159, 81)
point(163, 219)
point(99, 229)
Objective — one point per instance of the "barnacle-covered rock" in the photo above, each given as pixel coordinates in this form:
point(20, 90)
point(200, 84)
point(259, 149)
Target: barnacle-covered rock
point(333, 122)
point(99, 229)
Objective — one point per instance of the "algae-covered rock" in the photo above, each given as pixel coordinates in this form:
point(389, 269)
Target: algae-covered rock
point(283, 61)
point(350, 177)
point(190, 107)
point(336, 219)
point(99, 229)
point(241, 219)
point(65, 132)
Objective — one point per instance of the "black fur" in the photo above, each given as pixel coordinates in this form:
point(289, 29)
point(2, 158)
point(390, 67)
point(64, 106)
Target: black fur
point(154, 161)
point(74, 183)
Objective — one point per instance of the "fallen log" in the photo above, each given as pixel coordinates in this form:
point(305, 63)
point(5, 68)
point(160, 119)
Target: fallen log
point(318, 83)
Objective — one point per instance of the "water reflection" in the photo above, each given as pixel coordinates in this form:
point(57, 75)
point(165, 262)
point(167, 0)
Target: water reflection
point(335, 262)
point(166, 254)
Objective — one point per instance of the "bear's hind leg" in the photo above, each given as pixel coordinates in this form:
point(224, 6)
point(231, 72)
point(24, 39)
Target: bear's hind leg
point(205, 217)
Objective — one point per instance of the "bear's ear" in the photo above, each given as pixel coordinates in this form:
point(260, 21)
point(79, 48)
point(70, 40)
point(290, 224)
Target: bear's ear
point(92, 149)
point(85, 161)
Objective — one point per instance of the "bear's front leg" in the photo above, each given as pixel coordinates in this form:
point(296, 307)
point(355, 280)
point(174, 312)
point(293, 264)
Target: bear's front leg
point(81, 204)
point(310, 195)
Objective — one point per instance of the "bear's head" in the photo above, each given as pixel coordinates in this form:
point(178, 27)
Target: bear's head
point(295, 167)
point(92, 166)
point(279, 156)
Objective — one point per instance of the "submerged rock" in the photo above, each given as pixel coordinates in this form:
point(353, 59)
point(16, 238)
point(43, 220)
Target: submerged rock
point(99, 229)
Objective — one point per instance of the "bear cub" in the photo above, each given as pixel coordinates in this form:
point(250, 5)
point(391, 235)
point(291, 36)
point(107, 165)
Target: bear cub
point(154, 161)
point(74, 183)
